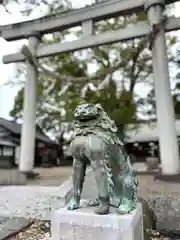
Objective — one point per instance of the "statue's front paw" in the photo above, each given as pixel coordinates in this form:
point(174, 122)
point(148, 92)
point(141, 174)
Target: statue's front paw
point(73, 204)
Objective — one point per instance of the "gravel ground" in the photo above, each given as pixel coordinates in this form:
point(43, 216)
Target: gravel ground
point(39, 230)
point(37, 199)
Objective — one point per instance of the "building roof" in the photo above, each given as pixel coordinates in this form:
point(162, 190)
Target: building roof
point(147, 131)
point(16, 129)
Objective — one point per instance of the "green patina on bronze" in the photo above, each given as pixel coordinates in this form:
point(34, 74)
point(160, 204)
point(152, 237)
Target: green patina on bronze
point(96, 141)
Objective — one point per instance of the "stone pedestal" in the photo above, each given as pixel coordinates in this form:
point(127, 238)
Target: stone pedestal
point(84, 224)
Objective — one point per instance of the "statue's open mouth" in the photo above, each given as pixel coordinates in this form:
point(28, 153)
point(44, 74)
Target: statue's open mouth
point(87, 119)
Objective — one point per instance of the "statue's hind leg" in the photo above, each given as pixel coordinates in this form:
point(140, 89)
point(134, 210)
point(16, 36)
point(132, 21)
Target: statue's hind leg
point(129, 195)
point(79, 169)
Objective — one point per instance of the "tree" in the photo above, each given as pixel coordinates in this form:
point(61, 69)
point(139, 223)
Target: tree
point(50, 104)
point(125, 65)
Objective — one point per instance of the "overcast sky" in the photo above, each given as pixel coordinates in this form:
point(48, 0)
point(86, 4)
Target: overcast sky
point(7, 93)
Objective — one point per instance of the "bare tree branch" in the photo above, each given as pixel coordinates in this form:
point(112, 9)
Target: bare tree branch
point(99, 75)
point(46, 71)
point(135, 59)
point(105, 82)
point(5, 7)
point(53, 108)
point(12, 83)
point(69, 79)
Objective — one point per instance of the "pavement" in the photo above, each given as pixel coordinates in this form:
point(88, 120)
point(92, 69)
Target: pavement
point(20, 204)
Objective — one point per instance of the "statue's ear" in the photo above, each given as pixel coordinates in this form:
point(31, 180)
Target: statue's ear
point(98, 105)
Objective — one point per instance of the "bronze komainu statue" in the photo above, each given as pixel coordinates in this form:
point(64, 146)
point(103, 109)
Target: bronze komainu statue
point(96, 141)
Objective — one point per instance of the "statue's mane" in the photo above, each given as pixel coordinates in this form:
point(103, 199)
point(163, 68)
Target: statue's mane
point(106, 123)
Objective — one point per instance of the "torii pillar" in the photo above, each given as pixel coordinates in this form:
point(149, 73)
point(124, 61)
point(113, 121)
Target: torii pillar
point(29, 112)
point(168, 143)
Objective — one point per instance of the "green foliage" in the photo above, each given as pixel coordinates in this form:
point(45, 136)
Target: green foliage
point(122, 109)
point(176, 91)
point(16, 112)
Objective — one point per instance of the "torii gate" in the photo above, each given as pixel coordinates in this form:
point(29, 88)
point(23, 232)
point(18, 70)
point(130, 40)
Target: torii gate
point(33, 30)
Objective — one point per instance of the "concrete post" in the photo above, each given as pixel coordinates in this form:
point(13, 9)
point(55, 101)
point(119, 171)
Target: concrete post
point(29, 117)
point(164, 105)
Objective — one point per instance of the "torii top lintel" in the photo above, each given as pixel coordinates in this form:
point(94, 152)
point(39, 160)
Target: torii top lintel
point(73, 18)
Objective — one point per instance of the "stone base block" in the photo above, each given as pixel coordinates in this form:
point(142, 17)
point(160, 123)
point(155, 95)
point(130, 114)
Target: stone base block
point(84, 224)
